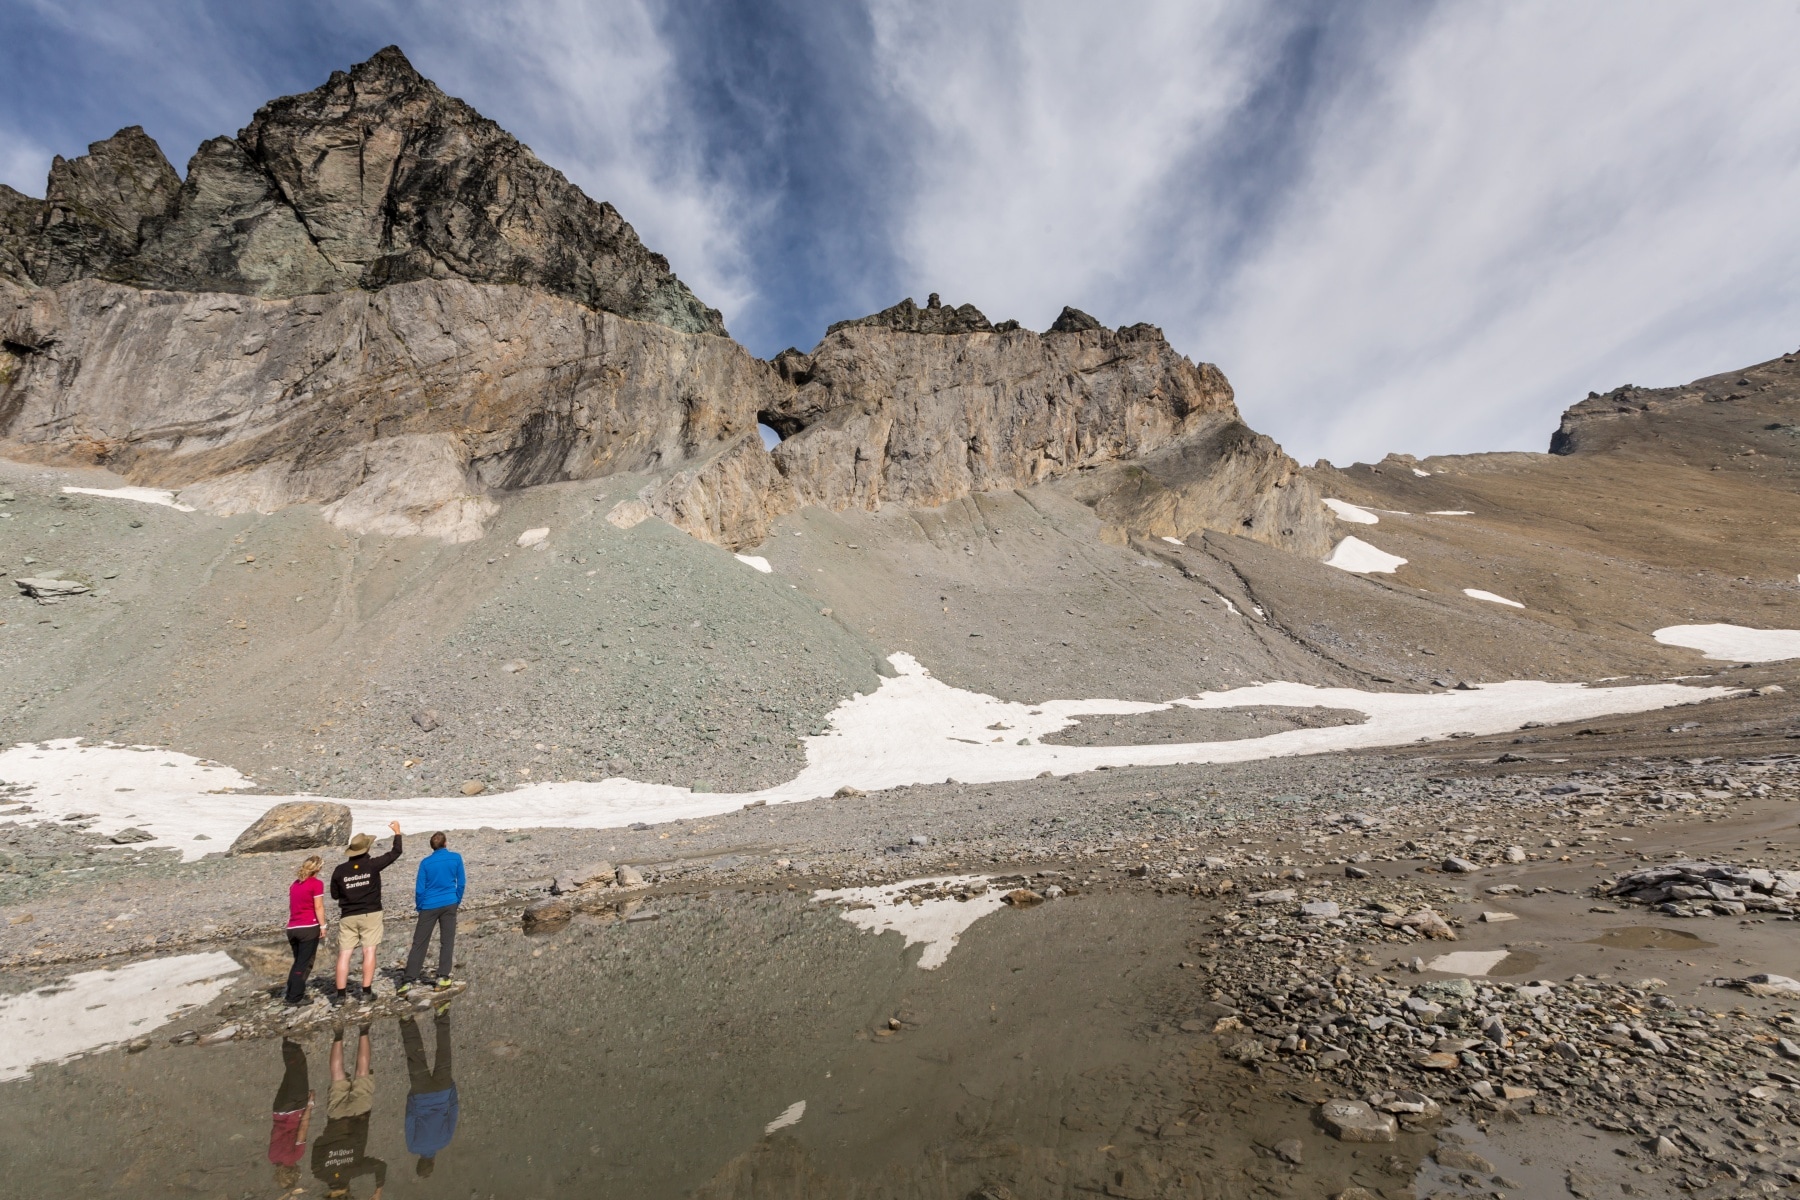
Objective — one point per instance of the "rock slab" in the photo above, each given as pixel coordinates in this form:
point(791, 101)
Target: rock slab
point(296, 825)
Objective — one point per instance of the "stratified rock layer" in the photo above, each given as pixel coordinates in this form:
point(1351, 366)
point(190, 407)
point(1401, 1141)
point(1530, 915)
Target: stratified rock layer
point(401, 409)
point(375, 178)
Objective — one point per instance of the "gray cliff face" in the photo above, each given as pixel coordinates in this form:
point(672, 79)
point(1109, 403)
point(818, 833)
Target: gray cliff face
point(375, 178)
point(375, 300)
point(404, 408)
point(889, 410)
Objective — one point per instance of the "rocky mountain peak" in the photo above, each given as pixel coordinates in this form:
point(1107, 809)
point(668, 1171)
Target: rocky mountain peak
point(935, 317)
point(1073, 320)
point(373, 178)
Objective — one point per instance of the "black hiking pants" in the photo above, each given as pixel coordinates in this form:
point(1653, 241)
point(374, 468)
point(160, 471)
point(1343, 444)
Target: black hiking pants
point(305, 945)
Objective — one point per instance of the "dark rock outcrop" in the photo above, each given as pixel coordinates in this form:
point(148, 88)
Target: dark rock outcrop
point(935, 317)
point(375, 178)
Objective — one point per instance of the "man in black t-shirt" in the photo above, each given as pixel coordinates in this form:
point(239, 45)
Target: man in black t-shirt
point(356, 886)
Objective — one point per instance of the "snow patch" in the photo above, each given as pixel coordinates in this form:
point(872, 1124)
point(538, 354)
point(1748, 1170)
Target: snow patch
point(1349, 512)
point(1421, 474)
point(789, 1116)
point(913, 729)
point(1491, 598)
point(1173, 541)
point(96, 1009)
point(938, 923)
point(1355, 555)
point(1450, 512)
point(1735, 643)
point(533, 537)
point(142, 495)
point(1467, 962)
point(756, 561)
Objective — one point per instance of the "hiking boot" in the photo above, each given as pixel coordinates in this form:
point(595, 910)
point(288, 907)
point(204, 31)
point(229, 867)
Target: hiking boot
point(336, 998)
point(445, 982)
point(406, 986)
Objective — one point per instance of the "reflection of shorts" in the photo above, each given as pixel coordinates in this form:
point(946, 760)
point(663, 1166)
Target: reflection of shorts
point(350, 1097)
point(363, 929)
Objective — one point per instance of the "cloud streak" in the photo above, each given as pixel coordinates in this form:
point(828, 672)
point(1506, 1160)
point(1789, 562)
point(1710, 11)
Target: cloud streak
point(1409, 226)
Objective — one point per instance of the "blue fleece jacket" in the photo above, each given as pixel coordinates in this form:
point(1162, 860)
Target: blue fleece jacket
point(431, 1118)
point(440, 881)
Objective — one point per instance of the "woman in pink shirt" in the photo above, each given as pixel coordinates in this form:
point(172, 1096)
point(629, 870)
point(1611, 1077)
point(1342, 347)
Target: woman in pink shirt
point(306, 924)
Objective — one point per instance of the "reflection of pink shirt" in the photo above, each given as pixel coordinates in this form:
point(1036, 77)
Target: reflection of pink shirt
point(285, 1146)
point(300, 902)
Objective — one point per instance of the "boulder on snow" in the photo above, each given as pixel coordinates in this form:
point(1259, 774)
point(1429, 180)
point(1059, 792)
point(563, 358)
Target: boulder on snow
point(296, 825)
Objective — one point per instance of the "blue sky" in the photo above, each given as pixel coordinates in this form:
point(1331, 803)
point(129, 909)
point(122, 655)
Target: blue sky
point(1399, 225)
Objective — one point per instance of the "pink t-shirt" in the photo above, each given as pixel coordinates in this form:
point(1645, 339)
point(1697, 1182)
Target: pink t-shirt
point(285, 1146)
point(300, 902)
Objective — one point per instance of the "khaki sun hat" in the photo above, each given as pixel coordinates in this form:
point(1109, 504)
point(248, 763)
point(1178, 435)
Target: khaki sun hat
point(360, 844)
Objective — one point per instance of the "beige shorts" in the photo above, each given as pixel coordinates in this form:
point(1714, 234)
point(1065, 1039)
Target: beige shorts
point(350, 1097)
point(362, 930)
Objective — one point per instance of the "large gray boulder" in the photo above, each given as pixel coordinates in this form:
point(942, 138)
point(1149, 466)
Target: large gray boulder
point(296, 825)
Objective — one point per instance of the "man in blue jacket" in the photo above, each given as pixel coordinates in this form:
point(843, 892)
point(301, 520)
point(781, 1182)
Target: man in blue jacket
point(437, 891)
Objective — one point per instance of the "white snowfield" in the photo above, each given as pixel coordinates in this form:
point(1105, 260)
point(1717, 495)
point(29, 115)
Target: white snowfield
point(1734, 643)
point(1345, 511)
point(913, 729)
point(142, 495)
point(1357, 556)
point(96, 1009)
point(1491, 598)
point(938, 923)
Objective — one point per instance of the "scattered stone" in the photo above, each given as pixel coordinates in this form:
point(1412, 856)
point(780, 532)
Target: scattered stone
point(473, 787)
point(296, 825)
point(425, 719)
point(1352, 871)
point(49, 591)
point(222, 1034)
point(1277, 896)
point(1459, 866)
point(628, 877)
point(1455, 1158)
point(543, 914)
point(1515, 854)
point(129, 835)
point(1664, 1148)
point(1320, 909)
point(1355, 1121)
point(1290, 1150)
point(1493, 918)
point(1022, 898)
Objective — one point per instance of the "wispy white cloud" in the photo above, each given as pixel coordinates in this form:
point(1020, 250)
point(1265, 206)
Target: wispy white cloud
point(1529, 202)
point(1426, 235)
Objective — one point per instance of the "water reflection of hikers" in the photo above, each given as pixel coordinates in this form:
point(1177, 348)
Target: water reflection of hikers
point(356, 886)
point(437, 893)
point(431, 1106)
point(306, 924)
point(342, 1151)
point(293, 1114)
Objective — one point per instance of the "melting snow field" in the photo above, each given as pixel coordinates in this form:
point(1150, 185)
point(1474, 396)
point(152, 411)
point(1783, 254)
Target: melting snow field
point(142, 495)
point(1346, 511)
point(913, 729)
point(1734, 643)
point(938, 923)
point(97, 1009)
point(1354, 554)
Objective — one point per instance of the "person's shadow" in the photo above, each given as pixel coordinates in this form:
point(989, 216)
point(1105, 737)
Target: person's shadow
point(431, 1104)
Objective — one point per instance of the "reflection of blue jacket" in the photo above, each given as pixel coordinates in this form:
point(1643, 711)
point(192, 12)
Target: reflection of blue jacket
point(430, 1120)
point(440, 881)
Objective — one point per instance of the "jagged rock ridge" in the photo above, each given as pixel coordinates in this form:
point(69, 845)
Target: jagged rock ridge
point(375, 300)
point(376, 177)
